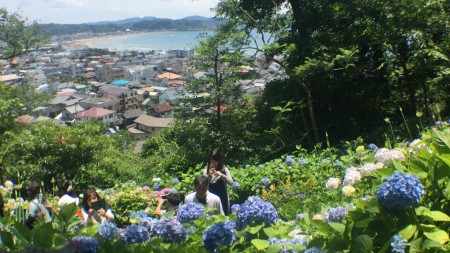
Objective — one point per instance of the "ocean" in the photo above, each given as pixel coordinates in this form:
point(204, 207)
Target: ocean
point(170, 40)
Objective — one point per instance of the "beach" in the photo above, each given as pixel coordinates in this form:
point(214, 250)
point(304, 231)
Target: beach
point(139, 41)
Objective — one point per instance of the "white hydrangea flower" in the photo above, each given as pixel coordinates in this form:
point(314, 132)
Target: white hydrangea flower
point(348, 190)
point(9, 185)
point(370, 167)
point(418, 145)
point(332, 183)
point(385, 155)
point(352, 176)
point(317, 217)
point(156, 179)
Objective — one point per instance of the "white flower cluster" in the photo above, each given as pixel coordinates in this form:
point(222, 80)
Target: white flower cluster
point(352, 176)
point(385, 155)
point(370, 167)
point(333, 183)
point(417, 145)
point(9, 185)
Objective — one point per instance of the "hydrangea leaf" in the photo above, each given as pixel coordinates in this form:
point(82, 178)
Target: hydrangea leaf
point(21, 231)
point(439, 236)
point(255, 229)
point(338, 227)
point(408, 232)
point(260, 244)
point(274, 248)
point(415, 246)
point(428, 244)
point(271, 232)
point(439, 216)
point(362, 244)
point(43, 236)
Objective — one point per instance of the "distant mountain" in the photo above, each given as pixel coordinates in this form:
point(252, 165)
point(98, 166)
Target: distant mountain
point(145, 24)
point(200, 18)
point(123, 21)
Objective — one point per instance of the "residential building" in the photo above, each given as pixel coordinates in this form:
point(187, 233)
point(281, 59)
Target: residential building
point(152, 125)
point(107, 117)
point(122, 99)
point(161, 110)
point(109, 73)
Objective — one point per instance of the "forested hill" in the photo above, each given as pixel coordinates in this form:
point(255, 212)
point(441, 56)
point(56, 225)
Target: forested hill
point(135, 24)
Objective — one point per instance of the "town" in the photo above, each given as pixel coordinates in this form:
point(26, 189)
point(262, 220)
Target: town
point(136, 91)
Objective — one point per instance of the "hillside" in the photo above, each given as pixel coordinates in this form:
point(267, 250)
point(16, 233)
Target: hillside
point(145, 24)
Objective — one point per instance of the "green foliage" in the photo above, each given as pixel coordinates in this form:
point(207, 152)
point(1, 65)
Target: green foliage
point(18, 35)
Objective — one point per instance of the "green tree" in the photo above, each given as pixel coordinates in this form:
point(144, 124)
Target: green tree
point(18, 35)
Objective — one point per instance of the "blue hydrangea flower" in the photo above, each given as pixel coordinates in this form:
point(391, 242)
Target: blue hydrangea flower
point(235, 208)
point(335, 214)
point(135, 234)
point(265, 181)
point(175, 181)
point(399, 192)
point(107, 230)
point(255, 210)
point(313, 250)
point(170, 230)
point(247, 165)
point(289, 242)
point(222, 233)
point(325, 160)
point(84, 244)
point(156, 186)
point(147, 222)
point(189, 212)
point(289, 160)
point(235, 184)
point(302, 161)
point(140, 215)
point(398, 244)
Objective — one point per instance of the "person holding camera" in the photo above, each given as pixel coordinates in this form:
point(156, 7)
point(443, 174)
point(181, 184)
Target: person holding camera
point(95, 209)
point(219, 176)
point(173, 199)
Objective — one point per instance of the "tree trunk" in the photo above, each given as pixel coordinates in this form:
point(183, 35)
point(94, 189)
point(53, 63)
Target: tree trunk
point(311, 112)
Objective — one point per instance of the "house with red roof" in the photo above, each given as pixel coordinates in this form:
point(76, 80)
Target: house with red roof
point(108, 117)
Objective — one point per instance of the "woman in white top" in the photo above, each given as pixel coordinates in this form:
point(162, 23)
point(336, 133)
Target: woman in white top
point(103, 213)
point(66, 193)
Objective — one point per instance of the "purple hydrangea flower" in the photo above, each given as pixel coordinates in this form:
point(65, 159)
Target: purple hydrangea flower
point(439, 123)
point(398, 244)
point(255, 210)
point(301, 195)
point(335, 214)
point(84, 244)
point(107, 230)
point(190, 211)
point(313, 250)
point(222, 233)
point(170, 230)
point(302, 161)
point(399, 192)
point(140, 215)
point(265, 181)
point(289, 160)
point(145, 187)
point(175, 181)
point(372, 147)
point(156, 186)
point(235, 184)
point(135, 234)
point(288, 192)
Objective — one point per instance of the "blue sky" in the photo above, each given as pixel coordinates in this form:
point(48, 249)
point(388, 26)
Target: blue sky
point(83, 11)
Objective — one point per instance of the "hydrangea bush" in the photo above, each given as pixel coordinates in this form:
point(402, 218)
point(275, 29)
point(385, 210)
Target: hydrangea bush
point(391, 200)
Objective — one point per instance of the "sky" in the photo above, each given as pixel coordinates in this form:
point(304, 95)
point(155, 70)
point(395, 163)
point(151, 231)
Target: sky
point(84, 11)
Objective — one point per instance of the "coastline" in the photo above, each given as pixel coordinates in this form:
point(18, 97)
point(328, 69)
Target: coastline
point(105, 41)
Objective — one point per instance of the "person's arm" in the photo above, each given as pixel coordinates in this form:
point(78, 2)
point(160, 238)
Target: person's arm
point(109, 214)
point(227, 176)
point(158, 210)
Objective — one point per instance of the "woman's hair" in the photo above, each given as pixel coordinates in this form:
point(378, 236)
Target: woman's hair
point(33, 190)
point(64, 187)
point(174, 199)
point(87, 194)
point(216, 156)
